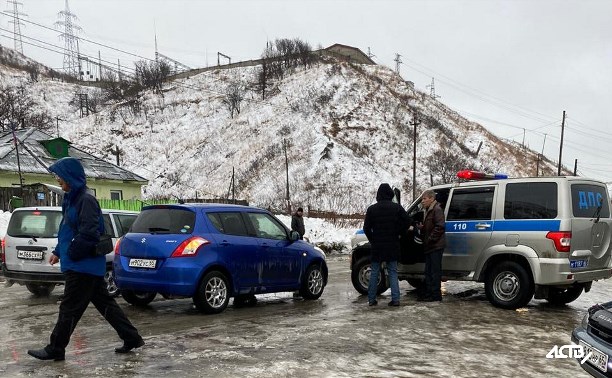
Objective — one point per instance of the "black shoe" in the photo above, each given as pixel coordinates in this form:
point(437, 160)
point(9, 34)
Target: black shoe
point(42, 354)
point(127, 347)
point(394, 303)
point(373, 303)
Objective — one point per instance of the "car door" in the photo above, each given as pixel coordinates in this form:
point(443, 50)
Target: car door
point(469, 226)
point(237, 249)
point(280, 264)
point(591, 227)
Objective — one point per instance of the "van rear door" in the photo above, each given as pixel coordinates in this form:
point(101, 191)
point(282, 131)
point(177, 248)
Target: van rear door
point(591, 227)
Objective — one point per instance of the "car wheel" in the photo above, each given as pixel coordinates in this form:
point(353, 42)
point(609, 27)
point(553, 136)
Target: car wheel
point(313, 283)
point(138, 298)
point(111, 284)
point(360, 276)
point(245, 300)
point(213, 293)
point(559, 297)
point(508, 285)
point(40, 290)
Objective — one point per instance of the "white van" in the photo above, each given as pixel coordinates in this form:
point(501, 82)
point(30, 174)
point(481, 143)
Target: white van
point(31, 237)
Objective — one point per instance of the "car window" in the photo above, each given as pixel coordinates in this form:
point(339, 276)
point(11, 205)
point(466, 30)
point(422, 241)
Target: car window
point(531, 200)
point(586, 200)
point(124, 222)
point(230, 223)
point(163, 220)
point(267, 227)
point(471, 204)
point(37, 223)
point(108, 227)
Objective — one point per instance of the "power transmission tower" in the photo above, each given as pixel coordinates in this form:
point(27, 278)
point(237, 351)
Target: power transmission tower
point(370, 55)
point(397, 61)
point(71, 41)
point(16, 24)
point(432, 89)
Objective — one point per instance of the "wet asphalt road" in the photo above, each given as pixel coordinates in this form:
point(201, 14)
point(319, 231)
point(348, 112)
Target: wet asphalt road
point(335, 336)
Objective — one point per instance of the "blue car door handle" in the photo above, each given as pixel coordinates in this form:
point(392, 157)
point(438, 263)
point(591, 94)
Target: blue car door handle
point(264, 245)
point(225, 243)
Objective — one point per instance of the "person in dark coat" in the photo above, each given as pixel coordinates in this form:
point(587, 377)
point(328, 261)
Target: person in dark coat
point(434, 241)
point(384, 222)
point(79, 232)
point(297, 222)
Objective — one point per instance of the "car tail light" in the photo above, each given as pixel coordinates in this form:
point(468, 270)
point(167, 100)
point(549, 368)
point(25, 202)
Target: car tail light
point(189, 247)
point(561, 239)
point(2, 252)
point(117, 246)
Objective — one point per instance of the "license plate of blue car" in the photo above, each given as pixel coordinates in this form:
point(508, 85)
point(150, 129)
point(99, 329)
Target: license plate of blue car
point(142, 263)
point(598, 358)
point(579, 263)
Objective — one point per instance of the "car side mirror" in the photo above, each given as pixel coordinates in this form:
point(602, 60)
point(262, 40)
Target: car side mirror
point(294, 235)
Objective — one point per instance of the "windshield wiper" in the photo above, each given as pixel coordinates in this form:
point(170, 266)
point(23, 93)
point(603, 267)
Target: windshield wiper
point(598, 212)
point(26, 236)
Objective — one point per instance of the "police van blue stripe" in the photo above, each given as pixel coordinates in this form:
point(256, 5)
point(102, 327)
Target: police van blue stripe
point(503, 225)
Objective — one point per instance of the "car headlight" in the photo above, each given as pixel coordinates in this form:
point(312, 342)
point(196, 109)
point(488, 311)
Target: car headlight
point(585, 321)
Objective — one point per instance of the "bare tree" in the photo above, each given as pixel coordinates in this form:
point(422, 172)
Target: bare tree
point(234, 94)
point(152, 74)
point(19, 108)
point(444, 165)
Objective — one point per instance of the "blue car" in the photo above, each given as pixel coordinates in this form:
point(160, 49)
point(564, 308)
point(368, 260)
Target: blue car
point(211, 252)
point(594, 334)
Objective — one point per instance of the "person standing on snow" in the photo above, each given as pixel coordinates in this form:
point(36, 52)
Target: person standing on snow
point(297, 222)
point(384, 223)
point(80, 230)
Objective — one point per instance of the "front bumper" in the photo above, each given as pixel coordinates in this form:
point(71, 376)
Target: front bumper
point(580, 334)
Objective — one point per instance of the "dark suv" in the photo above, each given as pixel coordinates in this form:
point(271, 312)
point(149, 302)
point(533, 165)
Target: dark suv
point(212, 252)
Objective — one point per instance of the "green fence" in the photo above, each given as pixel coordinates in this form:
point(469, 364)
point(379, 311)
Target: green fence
point(136, 205)
point(132, 205)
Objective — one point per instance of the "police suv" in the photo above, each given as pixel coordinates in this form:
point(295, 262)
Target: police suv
point(548, 237)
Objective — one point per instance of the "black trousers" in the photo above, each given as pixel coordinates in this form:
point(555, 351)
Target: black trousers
point(433, 274)
point(80, 289)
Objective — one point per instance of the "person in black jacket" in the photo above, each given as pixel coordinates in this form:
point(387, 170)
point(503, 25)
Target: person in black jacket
point(433, 229)
point(384, 222)
point(297, 222)
point(79, 232)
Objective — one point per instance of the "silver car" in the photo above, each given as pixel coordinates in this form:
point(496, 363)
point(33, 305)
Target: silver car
point(31, 236)
point(548, 237)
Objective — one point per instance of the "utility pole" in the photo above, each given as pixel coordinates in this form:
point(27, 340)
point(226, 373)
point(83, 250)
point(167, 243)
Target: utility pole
point(233, 186)
point(57, 119)
point(12, 124)
point(415, 122)
point(575, 167)
point(397, 61)
point(287, 175)
point(523, 144)
point(540, 157)
point(561, 145)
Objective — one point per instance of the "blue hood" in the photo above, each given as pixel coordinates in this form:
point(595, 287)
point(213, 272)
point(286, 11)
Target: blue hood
point(70, 170)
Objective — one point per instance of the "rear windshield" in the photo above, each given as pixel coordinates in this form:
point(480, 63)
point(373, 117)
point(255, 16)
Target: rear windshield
point(40, 224)
point(587, 199)
point(164, 221)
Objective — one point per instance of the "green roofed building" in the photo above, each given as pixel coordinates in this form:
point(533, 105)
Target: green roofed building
point(36, 150)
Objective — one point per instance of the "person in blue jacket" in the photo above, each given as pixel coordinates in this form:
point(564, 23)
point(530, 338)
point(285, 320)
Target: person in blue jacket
point(79, 232)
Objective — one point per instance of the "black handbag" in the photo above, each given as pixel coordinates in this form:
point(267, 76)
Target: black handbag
point(104, 246)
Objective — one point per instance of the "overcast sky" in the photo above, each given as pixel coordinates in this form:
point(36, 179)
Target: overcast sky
point(513, 66)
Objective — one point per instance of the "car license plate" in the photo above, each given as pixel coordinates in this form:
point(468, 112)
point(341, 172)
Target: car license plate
point(579, 263)
point(598, 358)
point(142, 263)
point(30, 255)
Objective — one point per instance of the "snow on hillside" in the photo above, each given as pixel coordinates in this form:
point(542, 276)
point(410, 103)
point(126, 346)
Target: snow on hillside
point(345, 129)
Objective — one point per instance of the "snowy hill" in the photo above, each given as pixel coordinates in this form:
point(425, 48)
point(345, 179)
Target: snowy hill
point(346, 128)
